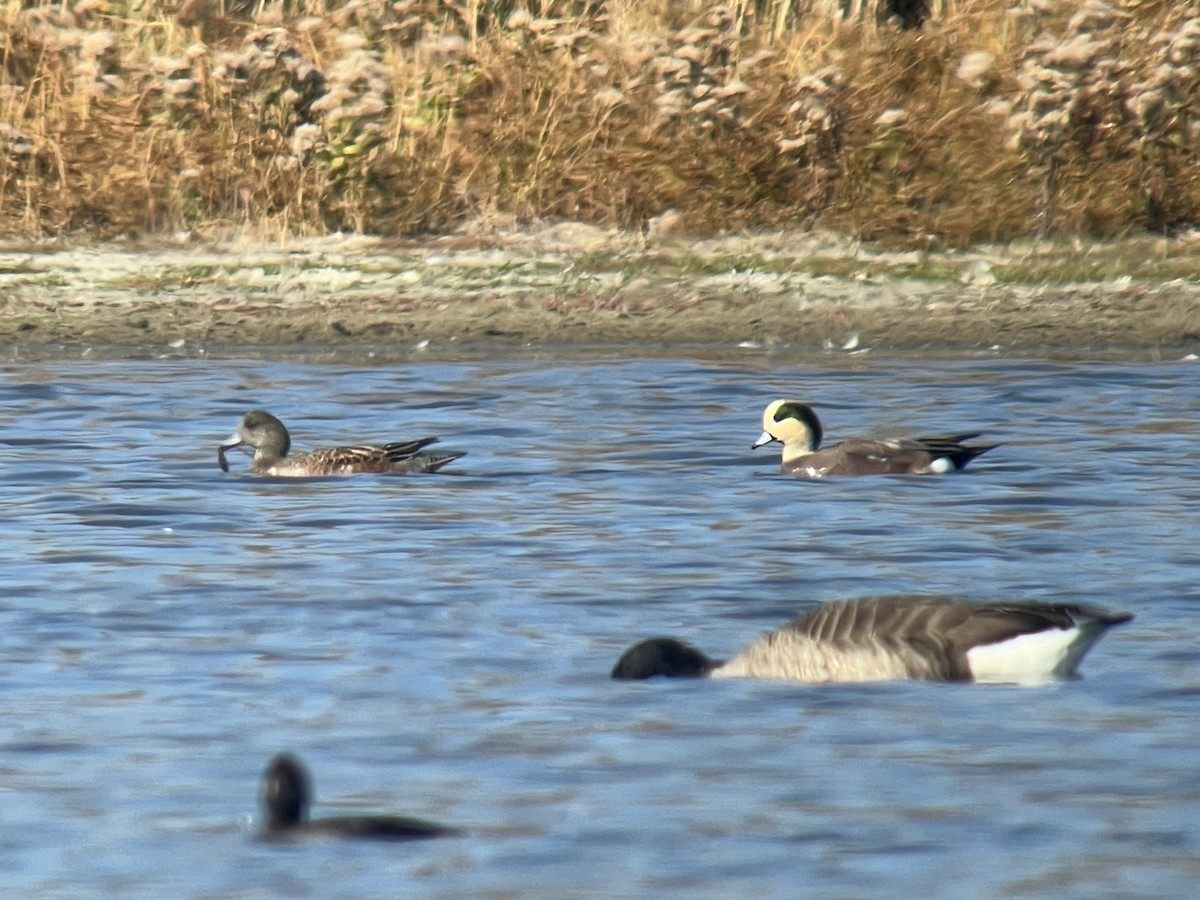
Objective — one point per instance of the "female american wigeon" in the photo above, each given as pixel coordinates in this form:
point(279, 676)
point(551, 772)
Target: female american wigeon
point(898, 638)
point(796, 426)
point(271, 442)
point(286, 794)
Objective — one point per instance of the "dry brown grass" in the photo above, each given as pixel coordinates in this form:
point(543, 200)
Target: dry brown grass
point(989, 122)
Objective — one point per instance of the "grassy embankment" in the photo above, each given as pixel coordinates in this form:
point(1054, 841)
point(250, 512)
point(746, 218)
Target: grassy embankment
point(992, 121)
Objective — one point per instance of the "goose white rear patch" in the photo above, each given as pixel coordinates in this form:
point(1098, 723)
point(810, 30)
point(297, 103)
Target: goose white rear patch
point(1030, 658)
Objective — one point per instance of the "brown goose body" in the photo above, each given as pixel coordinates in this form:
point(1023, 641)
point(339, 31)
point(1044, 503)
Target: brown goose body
point(797, 427)
point(897, 638)
point(269, 439)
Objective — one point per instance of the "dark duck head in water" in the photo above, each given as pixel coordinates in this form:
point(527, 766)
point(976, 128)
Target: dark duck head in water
point(287, 793)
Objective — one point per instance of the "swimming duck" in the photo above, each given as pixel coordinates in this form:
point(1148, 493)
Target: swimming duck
point(898, 638)
point(271, 442)
point(796, 426)
point(286, 794)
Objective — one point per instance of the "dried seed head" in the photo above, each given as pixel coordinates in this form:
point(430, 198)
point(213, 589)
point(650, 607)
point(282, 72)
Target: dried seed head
point(973, 66)
point(891, 118)
point(518, 19)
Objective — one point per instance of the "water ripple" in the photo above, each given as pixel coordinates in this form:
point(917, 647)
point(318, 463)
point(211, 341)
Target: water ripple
point(440, 645)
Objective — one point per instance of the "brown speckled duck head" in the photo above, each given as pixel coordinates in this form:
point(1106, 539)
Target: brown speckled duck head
point(261, 432)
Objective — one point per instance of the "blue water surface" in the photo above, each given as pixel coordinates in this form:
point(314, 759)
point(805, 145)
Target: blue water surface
point(440, 645)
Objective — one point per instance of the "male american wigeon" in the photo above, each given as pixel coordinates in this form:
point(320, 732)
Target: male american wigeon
point(796, 426)
point(898, 638)
point(287, 792)
point(270, 440)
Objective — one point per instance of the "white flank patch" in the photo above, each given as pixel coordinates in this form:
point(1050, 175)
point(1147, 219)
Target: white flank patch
point(1041, 656)
point(941, 465)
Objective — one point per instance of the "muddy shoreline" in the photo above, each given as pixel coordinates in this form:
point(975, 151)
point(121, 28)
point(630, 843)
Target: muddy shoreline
point(572, 285)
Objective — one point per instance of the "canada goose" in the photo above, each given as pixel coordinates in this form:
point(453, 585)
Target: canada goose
point(887, 638)
point(286, 794)
point(796, 426)
point(271, 442)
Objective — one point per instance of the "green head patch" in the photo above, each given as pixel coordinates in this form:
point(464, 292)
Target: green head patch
point(804, 413)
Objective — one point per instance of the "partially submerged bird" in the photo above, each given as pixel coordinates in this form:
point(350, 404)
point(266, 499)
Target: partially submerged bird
point(796, 426)
point(897, 638)
point(270, 441)
point(286, 794)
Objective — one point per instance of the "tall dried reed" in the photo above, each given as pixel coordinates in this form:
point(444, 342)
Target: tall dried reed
point(988, 121)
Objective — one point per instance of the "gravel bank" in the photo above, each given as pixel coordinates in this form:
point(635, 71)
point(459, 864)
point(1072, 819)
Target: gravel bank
point(576, 285)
